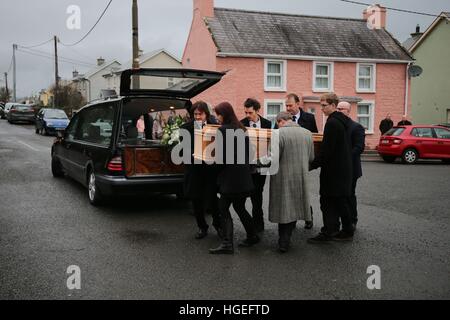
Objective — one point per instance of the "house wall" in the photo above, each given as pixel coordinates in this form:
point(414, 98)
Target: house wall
point(431, 90)
point(200, 50)
point(98, 82)
point(246, 79)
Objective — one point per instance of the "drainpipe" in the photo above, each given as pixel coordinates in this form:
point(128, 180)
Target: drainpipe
point(407, 89)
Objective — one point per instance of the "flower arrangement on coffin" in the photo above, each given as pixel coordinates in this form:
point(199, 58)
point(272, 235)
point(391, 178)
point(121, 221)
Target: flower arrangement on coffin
point(171, 133)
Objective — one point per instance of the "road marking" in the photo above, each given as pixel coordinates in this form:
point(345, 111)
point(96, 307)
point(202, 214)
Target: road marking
point(27, 145)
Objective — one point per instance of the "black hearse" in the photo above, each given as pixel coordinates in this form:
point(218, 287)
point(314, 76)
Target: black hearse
point(114, 146)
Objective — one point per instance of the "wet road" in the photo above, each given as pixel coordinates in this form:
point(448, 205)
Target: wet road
point(145, 248)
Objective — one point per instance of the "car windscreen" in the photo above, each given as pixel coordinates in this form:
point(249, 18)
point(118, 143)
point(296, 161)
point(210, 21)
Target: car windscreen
point(23, 108)
point(149, 119)
point(395, 132)
point(55, 114)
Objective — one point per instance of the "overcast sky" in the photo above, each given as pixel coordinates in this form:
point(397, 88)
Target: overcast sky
point(163, 24)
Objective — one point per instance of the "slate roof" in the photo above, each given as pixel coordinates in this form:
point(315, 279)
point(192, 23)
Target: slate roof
point(252, 32)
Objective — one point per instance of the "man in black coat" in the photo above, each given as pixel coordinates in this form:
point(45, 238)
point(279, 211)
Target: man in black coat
point(200, 179)
point(304, 119)
point(386, 124)
point(357, 135)
point(405, 122)
point(335, 161)
point(254, 120)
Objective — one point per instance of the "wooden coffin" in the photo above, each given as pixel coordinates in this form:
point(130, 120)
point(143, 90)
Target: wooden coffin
point(259, 138)
point(141, 162)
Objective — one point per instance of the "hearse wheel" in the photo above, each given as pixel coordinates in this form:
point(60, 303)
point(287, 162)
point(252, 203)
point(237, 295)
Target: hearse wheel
point(95, 197)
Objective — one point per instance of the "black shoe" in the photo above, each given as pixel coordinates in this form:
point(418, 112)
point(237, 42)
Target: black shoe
point(222, 249)
point(343, 236)
point(321, 238)
point(309, 225)
point(202, 233)
point(283, 248)
point(249, 242)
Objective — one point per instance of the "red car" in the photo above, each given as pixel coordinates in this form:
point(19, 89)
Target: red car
point(412, 143)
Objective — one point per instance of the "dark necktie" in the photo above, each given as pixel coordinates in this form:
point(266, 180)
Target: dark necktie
point(254, 125)
point(294, 118)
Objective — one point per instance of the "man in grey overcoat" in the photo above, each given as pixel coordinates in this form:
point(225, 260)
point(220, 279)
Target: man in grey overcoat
point(289, 187)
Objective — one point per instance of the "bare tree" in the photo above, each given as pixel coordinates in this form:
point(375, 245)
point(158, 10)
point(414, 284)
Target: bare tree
point(4, 95)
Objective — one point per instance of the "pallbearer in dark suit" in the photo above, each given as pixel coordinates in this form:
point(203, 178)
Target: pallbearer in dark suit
point(305, 120)
point(357, 135)
point(254, 120)
point(200, 179)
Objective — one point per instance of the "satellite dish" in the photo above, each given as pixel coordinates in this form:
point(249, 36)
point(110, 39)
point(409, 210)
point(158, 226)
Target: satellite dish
point(415, 71)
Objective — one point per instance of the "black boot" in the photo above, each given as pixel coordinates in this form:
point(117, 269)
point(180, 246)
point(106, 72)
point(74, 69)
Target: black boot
point(226, 246)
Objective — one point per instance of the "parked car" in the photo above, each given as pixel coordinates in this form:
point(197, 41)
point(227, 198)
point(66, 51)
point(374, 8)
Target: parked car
point(7, 108)
point(50, 121)
point(2, 112)
point(102, 149)
point(412, 143)
point(21, 113)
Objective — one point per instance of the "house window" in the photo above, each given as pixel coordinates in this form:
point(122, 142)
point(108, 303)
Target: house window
point(323, 77)
point(312, 111)
point(275, 75)
point(170, 82)
point(365, 79)
point(366, 115)
point(272, 108)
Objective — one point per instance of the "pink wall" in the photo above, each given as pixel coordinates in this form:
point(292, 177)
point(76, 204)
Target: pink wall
point(246, 79)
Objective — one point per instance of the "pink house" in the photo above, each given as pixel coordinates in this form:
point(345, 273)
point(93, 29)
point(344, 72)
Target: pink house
point(268, 55)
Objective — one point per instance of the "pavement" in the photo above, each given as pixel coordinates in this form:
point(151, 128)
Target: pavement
point(144, 248)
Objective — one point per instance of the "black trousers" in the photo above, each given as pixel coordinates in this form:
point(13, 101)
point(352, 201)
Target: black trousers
point(285, 233)
point(353, 203)
point(334, 208)
point(208, 204)
point(257, 198)
point(227, 220)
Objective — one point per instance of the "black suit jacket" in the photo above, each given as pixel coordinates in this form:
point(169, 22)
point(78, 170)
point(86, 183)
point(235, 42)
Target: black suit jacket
point(265, 124)
point(358, 138)
point(307, 121)
point(335, 157)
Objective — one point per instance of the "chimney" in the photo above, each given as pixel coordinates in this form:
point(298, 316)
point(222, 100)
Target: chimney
point(75, 74)
point(204, 7)
point(100, 61)
point(375, 16)
point(417, 33)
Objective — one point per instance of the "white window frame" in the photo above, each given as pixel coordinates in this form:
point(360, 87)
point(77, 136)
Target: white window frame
point(278, 101)
point(373, 79)
point(371, 129)
point(330, 76)
point(283, 75)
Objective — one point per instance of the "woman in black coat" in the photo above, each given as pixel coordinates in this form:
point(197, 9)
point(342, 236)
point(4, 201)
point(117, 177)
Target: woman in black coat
point(200, 179)
point(234, 178)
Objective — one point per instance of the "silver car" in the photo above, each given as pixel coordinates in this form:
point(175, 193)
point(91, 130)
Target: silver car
point(21, 112)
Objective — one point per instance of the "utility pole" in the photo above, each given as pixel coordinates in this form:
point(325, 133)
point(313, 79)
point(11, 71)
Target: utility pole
point(55, 102)
point(135, 30)
point(14, 72)
point(6, 86)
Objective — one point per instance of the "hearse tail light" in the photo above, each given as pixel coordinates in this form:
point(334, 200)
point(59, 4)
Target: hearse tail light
point(397, 141)
point(115, 164)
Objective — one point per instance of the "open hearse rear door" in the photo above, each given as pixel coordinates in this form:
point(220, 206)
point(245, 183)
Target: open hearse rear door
point(174, 83)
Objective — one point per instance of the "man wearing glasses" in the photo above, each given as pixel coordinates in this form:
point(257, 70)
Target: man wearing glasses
point(335, 161)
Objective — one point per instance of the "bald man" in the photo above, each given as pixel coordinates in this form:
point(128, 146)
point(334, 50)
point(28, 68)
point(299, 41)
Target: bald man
point(357, 135)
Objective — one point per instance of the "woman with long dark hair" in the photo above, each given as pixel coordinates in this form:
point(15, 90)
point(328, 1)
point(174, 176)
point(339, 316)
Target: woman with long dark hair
point(234, 177)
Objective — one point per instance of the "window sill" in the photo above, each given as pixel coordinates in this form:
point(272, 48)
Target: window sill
point(322, 90)
point(365, 91)
point(275, 90)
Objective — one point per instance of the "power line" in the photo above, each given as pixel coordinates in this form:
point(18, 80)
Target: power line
point(393, 9)
point(66, 58)
point(93, 27)
point(37, 45)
